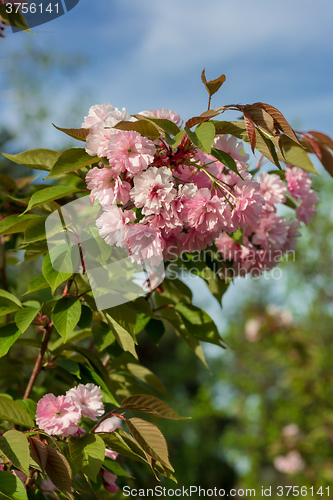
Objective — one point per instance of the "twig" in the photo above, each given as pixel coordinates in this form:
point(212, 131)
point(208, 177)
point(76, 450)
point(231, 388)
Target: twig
point(38, 364)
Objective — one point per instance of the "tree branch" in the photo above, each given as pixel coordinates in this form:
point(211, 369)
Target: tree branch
point(38, 364)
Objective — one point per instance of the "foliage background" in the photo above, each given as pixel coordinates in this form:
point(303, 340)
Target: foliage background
point(148, 56)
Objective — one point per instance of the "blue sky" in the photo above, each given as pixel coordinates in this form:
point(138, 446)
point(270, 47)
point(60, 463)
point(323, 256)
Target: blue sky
point(148, 54)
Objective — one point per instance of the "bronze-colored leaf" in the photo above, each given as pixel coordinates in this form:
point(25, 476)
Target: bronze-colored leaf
point(80, 134)
point(322, 138)
point(279, 119)
point(213, 85)
point(261, 118)
point(151, 405)
point(204, 117)
point(313, 146)
point(150, 439)
point(38, 452)
point(251, 131)
point(145, 127)
point(59, 471)
point(326, 159)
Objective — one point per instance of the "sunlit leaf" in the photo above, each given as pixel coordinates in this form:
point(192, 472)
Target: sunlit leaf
point(150, 404)
point(80, 134)
point(213, 85)
point(66, 315)
point(88, 454)
point(37, 159)
point(71, 160)
point(15, 446)
point(50, 194)
point(13, 412)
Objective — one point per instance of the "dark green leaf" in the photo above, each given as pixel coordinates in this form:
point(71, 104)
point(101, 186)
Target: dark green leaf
point(8, 335)
point(11, 487)
point(85, 318)
point(226, 159)
point(88, 453)
point(37, 283)
point(199, 323)
point(66, 315)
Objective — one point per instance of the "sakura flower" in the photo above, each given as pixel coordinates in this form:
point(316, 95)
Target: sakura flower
point(153, 189)
point(109, 425)
point(207, 213)
point(164, 113)
point(109, 481)
point(299, 182)
point(106, 187)
point(104, 114)
point(293, 234)
point(231, 145)
point(2, 466)
point(290, 463)
point(249, 203)
point(113, 225)
point(306, 210)
point(145, 243)
point(272, 189)
point(129, 151)
point(272, 231)
point(89, 399)
point(194, 240)
point(58, 415)
point(98, 140)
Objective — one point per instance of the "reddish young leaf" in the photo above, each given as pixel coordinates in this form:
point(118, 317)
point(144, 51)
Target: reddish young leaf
point(251, 131)
point(326, 159)
point(322, 138)
point(59, 471)
point(38, 452)
point(78, 133)
point(280, 120)
point(313, 146)
point(204, 117)
point(261, 118)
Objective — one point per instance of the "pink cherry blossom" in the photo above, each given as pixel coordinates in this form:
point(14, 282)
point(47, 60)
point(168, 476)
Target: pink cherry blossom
point(290, 463)
point(292, 236)
point(272, 189)
point(231, 145)
point(106, 187)
point(109, 481)
point(89, 399)
point(113, 225)
point(58, 415)
point(207, 213)
point(153, 189)
point(306, 210)
point(109, 425)
point(164, 113)
point(104, 114)
point(145, 243)
point(299, 182)
point(129, 151)
point(271, 232)
point(98, 140)
point(249, 203)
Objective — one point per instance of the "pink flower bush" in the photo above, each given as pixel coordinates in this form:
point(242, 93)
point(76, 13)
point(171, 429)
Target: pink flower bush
point(58, 415)
point(89, 399)
point(159, 202)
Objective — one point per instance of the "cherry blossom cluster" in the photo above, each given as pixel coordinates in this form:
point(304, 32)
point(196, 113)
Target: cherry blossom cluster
point(60, 415)
point(160, 201)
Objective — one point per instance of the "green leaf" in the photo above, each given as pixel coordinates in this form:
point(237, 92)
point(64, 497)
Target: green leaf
point(11, 487)
point(166, 125)
point(199, 323)
point(37, 283)
point(37, 159)
point(8, 335)
point(103, 336)
point(123, 337)
point(80, 134)
point(88, 453)
point(15, 446)
point(35, 230)
point(25, 317)
point(71, 160)
point(203, 136)
point(123, 443)
point(8, 303)
point(149, 404)
point(90, 376)
point(150, 439)
point(296, 155)
point(59, 471)
point(85, 318)
point(226, 159)
point(70, 366)
point(115, 468)
point(144, 127)
point(16, 223)
point(66, 315)
point(53, 277)
point(29, 405)
point(13, 412)
point(146, 376)
point(50, 194)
